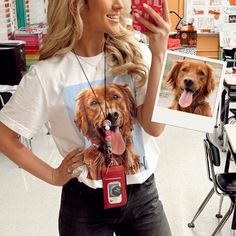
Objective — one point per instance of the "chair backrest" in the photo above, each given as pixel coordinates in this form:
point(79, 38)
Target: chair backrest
point(212, 157)
point(4, 97)
point(229, 55)
point(214, 151)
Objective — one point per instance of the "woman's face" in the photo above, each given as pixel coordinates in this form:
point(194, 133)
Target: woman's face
point(103, 16)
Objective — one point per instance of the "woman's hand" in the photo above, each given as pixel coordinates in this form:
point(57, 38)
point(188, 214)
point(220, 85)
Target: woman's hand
point(157, 33)
point(67, 168)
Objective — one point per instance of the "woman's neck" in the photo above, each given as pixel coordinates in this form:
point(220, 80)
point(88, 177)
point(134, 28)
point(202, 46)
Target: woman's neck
point(88, 47)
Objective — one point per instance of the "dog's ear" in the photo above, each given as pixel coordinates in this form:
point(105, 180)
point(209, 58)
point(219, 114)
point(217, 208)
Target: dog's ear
point(129, 100)
point(81, 119)
point(172, 75)
point(211, 80)
point(131, 107)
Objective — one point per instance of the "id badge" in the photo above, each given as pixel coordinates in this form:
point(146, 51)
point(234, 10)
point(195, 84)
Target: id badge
point(114, 186)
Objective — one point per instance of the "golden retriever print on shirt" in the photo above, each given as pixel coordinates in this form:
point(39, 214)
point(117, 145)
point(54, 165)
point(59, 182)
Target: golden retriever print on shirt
point(192, 82)
point(120, 108)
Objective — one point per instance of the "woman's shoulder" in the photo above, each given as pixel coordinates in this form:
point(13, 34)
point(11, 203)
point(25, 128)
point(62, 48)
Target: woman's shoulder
point(54, 61)
point(51, 68)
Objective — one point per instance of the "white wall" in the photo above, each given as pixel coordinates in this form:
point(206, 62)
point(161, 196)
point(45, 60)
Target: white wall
point(38, 11)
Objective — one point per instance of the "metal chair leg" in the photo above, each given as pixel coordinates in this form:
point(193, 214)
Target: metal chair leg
point(219, 215)
point(233, 226)
point(232, 233)
point(222, 113)
point(28, 144)
point(224, 219)
point(20, 138)
point(200, 209)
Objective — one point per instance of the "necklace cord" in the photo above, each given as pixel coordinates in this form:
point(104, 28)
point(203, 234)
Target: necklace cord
point(105, 82)
point(107, 131)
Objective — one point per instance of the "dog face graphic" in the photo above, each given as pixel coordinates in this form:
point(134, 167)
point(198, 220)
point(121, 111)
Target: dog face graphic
point(191, 82)
point(116, 104)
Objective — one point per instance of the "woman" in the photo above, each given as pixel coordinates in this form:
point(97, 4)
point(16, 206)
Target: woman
point(93, 83)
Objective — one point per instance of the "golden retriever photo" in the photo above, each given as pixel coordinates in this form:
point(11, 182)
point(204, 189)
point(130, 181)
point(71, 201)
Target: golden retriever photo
point(120, 108)
point(189, 92)
point(191, 82)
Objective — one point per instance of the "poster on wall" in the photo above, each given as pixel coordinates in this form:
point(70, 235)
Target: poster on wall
point(8, 20)
point(228, 39)
point(189, 91)
point(37, 11)
point(211, 15)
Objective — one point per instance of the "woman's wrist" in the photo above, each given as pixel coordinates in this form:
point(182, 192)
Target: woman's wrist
point(55, 180)
point(53, 173)
point(158, 57)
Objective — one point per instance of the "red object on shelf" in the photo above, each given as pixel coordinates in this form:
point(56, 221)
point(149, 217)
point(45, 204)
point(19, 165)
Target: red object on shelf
point(32, 39)
point(198, 12)
point(232, 2)
point(173, 43)
point(206, 30)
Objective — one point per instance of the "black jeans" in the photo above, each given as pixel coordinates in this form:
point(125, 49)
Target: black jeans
point(82, 212)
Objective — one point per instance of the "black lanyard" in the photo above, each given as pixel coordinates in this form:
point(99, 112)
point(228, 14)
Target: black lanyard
point(106, 123)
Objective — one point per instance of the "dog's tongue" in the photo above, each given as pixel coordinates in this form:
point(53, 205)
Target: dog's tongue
point(118, 144)
point(186, 99)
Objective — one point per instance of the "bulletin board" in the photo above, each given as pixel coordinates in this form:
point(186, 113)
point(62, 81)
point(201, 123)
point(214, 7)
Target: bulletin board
point(210, 15)
point(37, 11)
point(228, 38)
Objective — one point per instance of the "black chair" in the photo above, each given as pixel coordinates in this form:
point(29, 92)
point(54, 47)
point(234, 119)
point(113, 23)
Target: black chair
point(224, 184)
point(227, 110)
point(229, 55)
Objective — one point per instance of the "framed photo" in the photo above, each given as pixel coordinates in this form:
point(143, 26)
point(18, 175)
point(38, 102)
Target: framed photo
point(189, 92)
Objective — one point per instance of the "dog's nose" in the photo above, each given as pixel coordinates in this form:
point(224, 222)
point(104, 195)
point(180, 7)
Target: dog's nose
point(116, 115)
point(113, 117)
point(188, 82)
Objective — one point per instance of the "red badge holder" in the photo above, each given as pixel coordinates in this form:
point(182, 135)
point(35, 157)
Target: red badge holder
point(114, 186)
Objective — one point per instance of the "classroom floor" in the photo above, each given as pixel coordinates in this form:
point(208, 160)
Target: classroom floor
point(29, 207)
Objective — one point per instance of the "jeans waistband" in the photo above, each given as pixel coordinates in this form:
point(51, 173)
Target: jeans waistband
point(76, 185)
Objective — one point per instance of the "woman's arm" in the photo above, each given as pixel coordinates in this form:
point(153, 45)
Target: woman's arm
point(158, 36)
point(144, 112)
point(23, 157)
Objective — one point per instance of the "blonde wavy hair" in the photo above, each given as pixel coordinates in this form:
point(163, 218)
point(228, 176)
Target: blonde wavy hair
point(65, 28)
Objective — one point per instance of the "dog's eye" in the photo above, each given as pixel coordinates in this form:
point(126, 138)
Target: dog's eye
point(201, 73)
point(116, 97)
point(185, 69)
point(94, 103)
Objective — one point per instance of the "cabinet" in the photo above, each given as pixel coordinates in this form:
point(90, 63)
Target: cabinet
point(12, 63)
point(208, 45)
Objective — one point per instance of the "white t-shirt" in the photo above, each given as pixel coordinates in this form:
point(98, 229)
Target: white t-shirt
point(56, 90)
